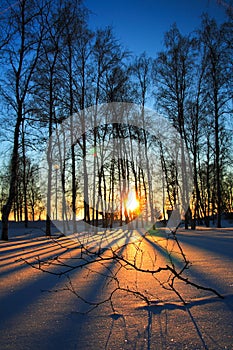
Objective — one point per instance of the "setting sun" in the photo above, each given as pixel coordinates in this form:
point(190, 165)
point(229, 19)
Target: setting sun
point(132, 202)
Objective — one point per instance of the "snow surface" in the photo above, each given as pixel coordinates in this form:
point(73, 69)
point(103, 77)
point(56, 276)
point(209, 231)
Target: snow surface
point(37, 311)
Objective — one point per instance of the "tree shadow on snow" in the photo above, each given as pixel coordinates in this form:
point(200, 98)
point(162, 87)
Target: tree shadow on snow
point(158, 307)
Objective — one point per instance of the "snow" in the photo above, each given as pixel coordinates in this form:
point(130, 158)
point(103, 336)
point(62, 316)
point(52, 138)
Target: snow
point(37, 311)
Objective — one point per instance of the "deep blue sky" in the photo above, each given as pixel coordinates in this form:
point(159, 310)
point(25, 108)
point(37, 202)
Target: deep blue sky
point(140, 24)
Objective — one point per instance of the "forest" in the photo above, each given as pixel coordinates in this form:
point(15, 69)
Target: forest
point(90, 132)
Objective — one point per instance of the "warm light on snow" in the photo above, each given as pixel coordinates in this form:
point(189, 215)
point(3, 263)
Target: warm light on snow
point(56, 317)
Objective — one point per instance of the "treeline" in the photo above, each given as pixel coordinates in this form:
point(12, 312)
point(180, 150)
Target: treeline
point(53, 66)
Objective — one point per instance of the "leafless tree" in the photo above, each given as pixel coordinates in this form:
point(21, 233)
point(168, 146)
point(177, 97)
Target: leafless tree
point(173, 80)
point(21, 53)
point(218, 80)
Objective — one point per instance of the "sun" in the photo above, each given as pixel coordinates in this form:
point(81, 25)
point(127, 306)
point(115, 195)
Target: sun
point(132, 203)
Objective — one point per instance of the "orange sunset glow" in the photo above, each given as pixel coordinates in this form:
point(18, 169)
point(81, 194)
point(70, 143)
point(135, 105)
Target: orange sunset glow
point(132, 203)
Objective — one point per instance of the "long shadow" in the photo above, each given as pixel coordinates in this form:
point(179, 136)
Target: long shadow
point(158, 308)
point(34, 249)
point(19, 244)
point(44, 250)
point(193, 271)
point(30, 288)
point(107, 265)
point(31, 292)
point(100, 239)
point(204, 242)
point(81, 317)
point(31, 295)
point(163, 251)
point(114, 318)
point(16, 301)
point(152, 310)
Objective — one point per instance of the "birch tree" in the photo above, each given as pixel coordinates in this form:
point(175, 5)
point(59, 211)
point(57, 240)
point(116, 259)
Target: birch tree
point(21, 54)
point(174, 77)
point(218, 83)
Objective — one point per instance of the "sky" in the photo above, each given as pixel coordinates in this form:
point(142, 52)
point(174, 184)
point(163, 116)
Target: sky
point(140, 24)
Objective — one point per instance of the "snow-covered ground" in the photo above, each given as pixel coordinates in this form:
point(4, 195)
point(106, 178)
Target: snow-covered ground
point(37, 311)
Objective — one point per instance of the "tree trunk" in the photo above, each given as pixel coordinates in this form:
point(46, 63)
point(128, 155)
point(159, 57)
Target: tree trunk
point(25, 178)
point(49, 159)
point(13, 177)
point(218, 169)
point(5, 223)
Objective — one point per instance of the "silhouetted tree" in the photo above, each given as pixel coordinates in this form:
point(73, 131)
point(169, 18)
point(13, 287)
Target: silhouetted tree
point(218, 82)
point(21, 53)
